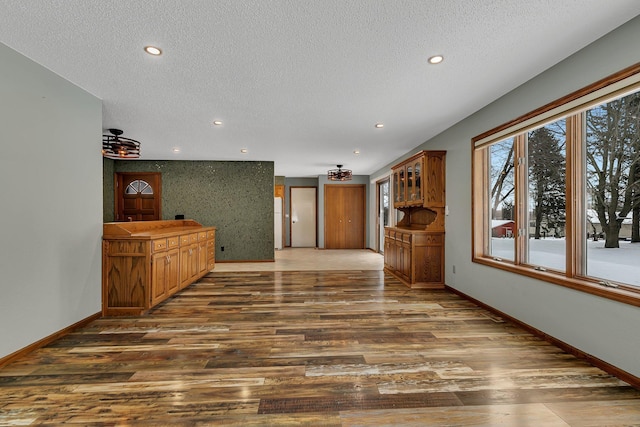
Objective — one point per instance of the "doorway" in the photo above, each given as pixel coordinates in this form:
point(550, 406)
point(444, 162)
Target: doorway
point(383, 217)
point(303, 216)
point(344, 216)
point(137, 196)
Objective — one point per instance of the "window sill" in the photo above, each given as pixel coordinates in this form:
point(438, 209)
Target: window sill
point(591, 287)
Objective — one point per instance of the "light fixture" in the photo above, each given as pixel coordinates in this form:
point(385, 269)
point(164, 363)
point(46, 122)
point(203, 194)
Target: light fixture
point(115, 146)
point(244, 150)
point(436, 59)
point(339, 174)
point(379, 125)
point(152, 50)
point(176, 149)
point(217, 122)
point(356, 152)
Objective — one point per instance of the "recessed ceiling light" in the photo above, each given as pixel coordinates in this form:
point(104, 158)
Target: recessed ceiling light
point(244, 150)
point(436, 59)
point(152, 50)
point(379, 125)
point(176, 149)
point(356, 152)
point(217, 122)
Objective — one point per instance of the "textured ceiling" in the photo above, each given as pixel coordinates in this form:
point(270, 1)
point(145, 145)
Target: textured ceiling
point(299, 82)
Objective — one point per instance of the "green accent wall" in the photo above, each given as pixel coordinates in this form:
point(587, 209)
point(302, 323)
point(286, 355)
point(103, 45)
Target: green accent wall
point(108, 195)
point(235, 197)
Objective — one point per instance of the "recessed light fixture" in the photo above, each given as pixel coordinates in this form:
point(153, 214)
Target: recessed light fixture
point(176, 149)
point(152, 50)
point(244, 150)
point(379, 125)
point(356, 152)
point(436, 59)
point(217, 122)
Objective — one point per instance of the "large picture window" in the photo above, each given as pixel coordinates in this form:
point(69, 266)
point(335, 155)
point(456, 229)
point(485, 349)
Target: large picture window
point(556, 193)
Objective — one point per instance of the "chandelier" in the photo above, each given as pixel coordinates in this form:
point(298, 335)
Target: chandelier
point(339, 174)
point(115, 146)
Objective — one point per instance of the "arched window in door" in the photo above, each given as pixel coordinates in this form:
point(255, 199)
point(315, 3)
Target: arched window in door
point(139, 187)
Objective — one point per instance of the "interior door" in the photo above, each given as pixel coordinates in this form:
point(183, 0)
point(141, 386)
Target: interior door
point(138, 196)
point(344, 216)
point(303, 216)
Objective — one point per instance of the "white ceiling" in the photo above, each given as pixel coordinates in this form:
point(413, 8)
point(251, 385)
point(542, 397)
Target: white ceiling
point(299, 82)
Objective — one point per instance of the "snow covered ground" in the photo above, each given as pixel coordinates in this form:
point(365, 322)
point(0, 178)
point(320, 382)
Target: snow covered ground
point(618, 264)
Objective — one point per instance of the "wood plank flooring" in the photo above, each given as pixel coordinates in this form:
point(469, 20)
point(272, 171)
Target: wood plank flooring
point(331, 348)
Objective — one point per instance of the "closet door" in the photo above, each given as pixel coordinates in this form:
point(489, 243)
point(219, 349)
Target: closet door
point(344, 213)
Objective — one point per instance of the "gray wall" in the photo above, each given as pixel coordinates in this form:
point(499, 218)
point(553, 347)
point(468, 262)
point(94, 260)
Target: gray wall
point(51, 192)
point(598, 326)
point(235, 197)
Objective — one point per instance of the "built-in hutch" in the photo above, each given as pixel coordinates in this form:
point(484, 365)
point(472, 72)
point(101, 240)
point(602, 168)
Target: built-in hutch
point(414, 248)
point(145, 262)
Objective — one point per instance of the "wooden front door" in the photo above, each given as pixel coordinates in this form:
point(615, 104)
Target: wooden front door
point(344, 214)
point(138, 196)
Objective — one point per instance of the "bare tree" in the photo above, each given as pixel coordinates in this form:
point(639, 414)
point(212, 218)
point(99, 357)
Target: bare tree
point(502, 164)
point(613, 139)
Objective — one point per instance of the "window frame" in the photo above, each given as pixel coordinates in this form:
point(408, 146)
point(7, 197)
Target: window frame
point(570, 108)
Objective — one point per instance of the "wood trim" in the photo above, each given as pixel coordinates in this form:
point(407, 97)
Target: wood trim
point(48, 340)
point(521, 183)
point(600, 84)
point(574, 212)
point(599, 363)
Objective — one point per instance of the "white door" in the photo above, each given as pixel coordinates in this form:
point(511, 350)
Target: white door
point(277, 222)
point(303, 217)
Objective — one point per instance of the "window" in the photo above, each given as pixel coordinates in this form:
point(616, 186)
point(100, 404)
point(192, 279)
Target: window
point(556, 193)
point(139, 186)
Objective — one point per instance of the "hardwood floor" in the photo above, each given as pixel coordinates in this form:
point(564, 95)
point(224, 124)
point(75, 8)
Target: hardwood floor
point(333, 348)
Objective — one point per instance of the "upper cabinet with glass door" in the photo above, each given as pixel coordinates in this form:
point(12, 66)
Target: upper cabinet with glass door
point(420, 181)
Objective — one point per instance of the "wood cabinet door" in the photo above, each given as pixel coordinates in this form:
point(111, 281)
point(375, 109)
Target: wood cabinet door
point(344, 213)
point(186, 256)
point(172, 273)
point(158, 277)
point(202, 257)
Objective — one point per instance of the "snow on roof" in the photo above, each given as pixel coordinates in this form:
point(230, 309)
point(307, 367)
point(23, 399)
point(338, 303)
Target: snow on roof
point(592, 217)
point(498, 222)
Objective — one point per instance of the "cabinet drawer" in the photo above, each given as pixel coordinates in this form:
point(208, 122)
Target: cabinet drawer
point(185, 240)
point(405, 237)
point(173, 242)
point(211, 234)
point(193, 238)
point(202, 235)
point(159, 245)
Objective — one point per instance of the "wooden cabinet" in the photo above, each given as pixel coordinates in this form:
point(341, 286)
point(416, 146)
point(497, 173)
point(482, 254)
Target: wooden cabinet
point(414, 249)
point(416, 257)
point(164, 268)
point(419, 180)
point(211, 249)
point(145, 262)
